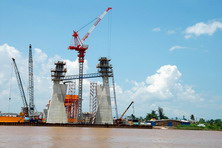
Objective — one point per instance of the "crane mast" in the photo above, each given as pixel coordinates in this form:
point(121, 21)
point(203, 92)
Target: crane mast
point(81, 48)
point(31, 82)
point(22, 92)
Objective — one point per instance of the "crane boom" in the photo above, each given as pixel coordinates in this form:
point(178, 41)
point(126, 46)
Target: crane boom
point(22, 92)
point(94, 25)
point(126, 110)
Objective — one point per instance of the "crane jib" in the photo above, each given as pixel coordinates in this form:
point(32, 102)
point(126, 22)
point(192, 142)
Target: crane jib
point(97, 21)
point(95, 24)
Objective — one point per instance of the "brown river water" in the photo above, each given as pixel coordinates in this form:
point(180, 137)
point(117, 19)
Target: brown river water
point(75, 137)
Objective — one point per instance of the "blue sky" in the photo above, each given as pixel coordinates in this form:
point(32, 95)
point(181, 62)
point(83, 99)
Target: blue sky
point(140, 37)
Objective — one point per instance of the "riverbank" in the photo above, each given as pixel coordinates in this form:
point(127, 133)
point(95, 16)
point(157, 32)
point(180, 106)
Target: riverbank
point(179, 127)
point(196, 127)
point(187, 127)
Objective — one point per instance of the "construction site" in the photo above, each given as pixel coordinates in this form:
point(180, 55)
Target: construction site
point(66, 104)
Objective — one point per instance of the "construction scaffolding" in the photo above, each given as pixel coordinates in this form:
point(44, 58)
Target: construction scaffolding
point(71, 102)
point(105, 76)
point(114, 94)
point(93, 101)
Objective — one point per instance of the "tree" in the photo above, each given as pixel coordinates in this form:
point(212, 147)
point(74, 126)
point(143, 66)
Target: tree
point(161, 114)
point(151, 115)
point(184, 118)
point(153, 112)
point(211, 121)
point(133, 117)
point(192, 117)
point(202, 120)
point(218, 122)
point(141, 119)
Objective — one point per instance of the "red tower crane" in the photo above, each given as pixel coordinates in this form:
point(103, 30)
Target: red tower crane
point(81, 48)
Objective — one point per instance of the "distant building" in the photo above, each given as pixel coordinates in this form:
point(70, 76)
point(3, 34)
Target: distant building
point(169, 122)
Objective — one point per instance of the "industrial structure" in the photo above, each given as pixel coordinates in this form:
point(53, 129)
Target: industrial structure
point(93, 101)
point(104, 109)
point(28, 112)
point(25, 108)
point(57, 111)
point(31, 83)
point(71, 102)
point(66, 106)
point(100, 97)
point(29, 108)
point(81, 48)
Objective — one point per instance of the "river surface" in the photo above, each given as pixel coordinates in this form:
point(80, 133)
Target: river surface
point(75, 137)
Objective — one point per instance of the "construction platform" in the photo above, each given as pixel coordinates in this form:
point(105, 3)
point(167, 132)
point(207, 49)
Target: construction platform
point(75, 125)
point(5, 119)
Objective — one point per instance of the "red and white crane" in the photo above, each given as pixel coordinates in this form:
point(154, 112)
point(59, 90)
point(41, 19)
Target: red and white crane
point(81, 48)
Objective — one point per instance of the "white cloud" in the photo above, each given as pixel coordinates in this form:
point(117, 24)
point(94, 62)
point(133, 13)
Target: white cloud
point(73, 66)
point(176, 47)
point(164, 88)
point(202, 29)
point(160, 83)
point(171, 31)
point(39, 55)
point(156, 29)
point(9, 51)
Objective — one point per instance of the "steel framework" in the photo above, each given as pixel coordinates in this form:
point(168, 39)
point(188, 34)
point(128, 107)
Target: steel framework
point(84, 76)
point(93, 86)
point(68, 78)
point(93, 101)
point(73, 107)
point(114, 94)
point(31, 83)
point(22, 92)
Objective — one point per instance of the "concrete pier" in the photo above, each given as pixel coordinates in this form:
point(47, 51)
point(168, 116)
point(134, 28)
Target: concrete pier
point(57, 112)
point(104, 110)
